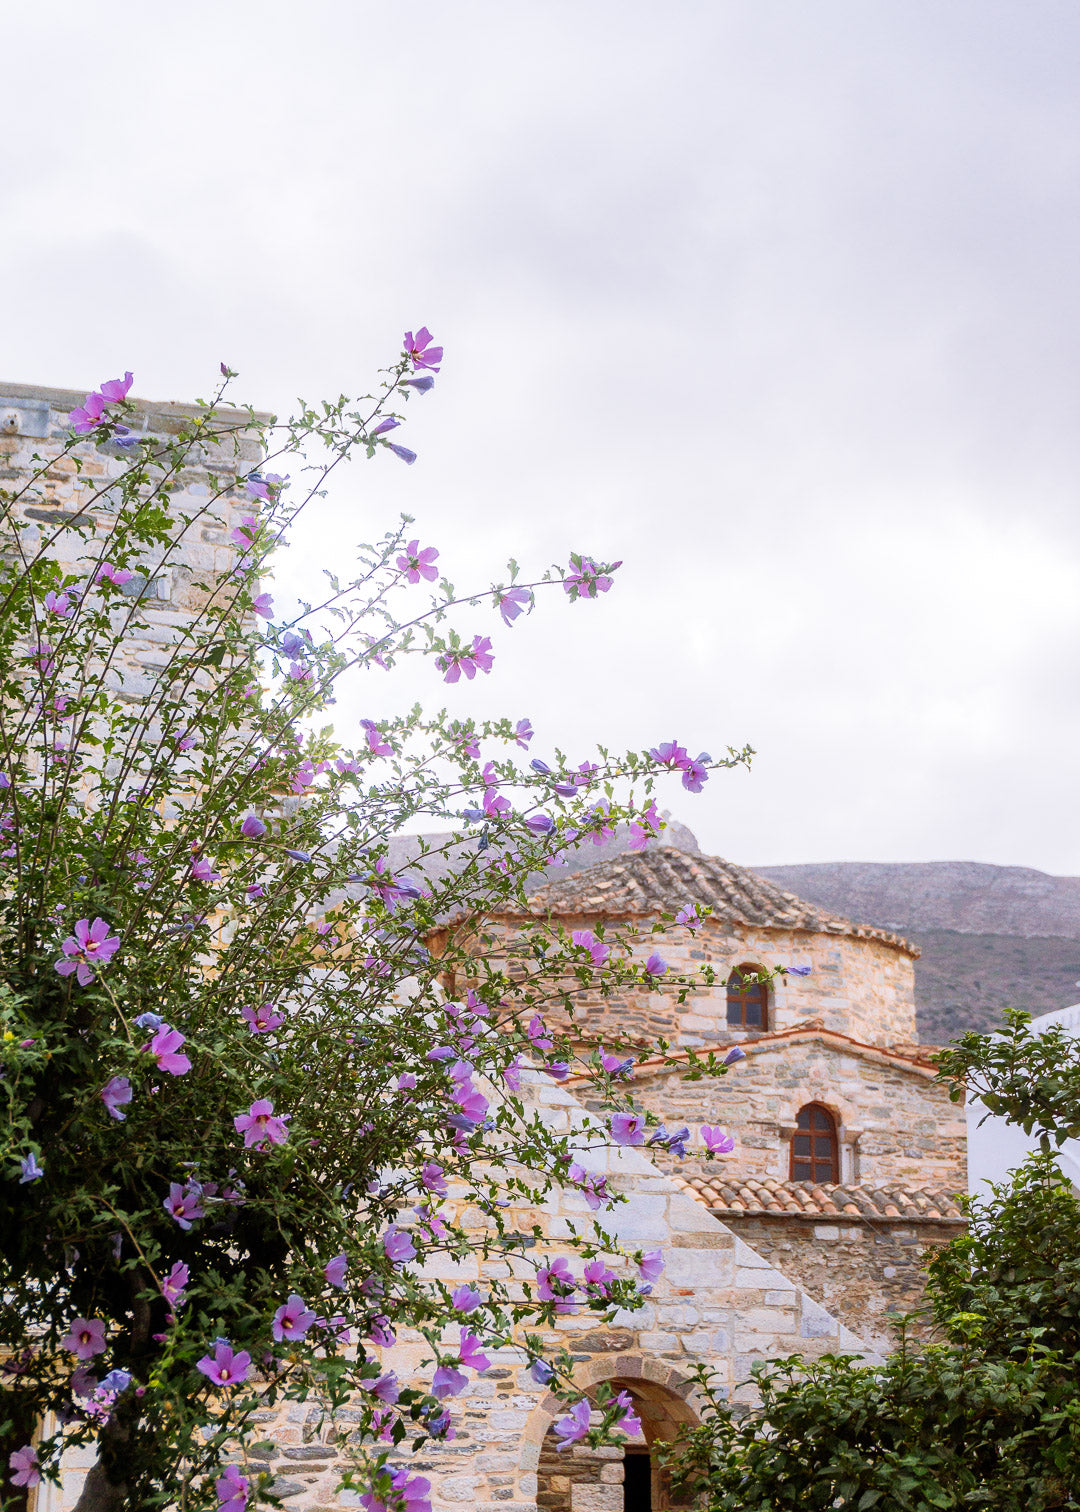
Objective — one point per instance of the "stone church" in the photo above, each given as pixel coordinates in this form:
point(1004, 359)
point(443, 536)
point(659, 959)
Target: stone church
point(807, 1237)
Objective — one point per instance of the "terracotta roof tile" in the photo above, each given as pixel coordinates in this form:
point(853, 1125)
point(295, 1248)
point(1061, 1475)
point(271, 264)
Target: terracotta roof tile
point(751, 1194)
point(647, 883)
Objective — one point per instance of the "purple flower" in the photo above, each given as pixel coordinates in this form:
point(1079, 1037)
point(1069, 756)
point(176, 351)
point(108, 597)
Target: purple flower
point(670, 754)
point(798, 970)
point(334, 1271)
point(470, 1352)
point(598, 1278)
point(628, 1128)
point(695, 772)
point(383, 426)
point(523, 733)
point(431, 1175)
point(253, 827)
point(386, 1388)
point(183, 1203)
point(716, 1141)
point(541, 1372)
point(264, 605)
point(116, 1381)
point(114, 1095)
point(225, 1368)
point(573, 1428)
point(59, 604)
point(118, 576)
point(651, 1266)
point(554, 1282)
point(629, 1423)
point(417, 564)
point(292, 1319)
point(540, 824)
point(172, 1287)
point(420, 351)
point(656, 965)
point(262, 1020)
point(559, 1070)
point(584, 939)
point(512, 602)
point(448, 1381)
point(85, 1338)
point(24, 1466)
point(538, 1035)
point(91, 945)
point(733, 1055)
point(380, 1333)
point(421, 385)
point(116, 389)
point(404, 452)
point(465, 1299)
point(688, 916)
point(30, 1169)
point(397, 1246)
point(232, 1490)
point(164, 1047)
point(259, 1126)
point(511, 1074)
point(88, 414)
point(616, 1066)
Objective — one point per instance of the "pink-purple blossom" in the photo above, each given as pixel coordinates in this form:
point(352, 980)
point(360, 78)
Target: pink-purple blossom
point(226, 1367)
point(716, 1141)
point(232, 1490)
point(263, 605)
point(470, 1352)
point(117, 576)
point(651, 1266)
point(421, 352)
point(416, 563)
point(573, 1428)
point(91, 945)
point(263, 1019)
point(260, 1127)
point(30, 1169)
point(253, 827)
point(85, 1338)
point(628, 1128)
point(584, 939)
point(431, 1176)
point(334, 1270)
point(554, 1282)
point(465, 1299)
point(115, 390)
point(184, 1204)
point(629, 1423)
point(172, 1286)
point(656, 965)
point(585, 578)
point(397, 1246)
point(511, 603)
point(688, 916)
point(292, 1319)
point(477, 657)
point(23, 1463)
point(115, 1094)
point(377, 745)
point(165, 1047)
point(448, 1381)
point(60, 605)
point(523, 733)
point(405, 453)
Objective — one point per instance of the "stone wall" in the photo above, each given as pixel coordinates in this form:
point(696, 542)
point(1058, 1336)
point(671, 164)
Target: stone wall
point(175, 580)
point(896, 1123)
point(863, 988)
point(865, 1274)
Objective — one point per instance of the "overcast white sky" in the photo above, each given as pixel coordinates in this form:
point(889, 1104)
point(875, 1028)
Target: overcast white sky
point(776, 301)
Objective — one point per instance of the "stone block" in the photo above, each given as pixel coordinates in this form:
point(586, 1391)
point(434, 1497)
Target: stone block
point(815, 1322)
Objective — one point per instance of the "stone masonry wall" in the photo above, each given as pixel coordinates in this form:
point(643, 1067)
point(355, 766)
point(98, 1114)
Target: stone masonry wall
point(865, 1274)
point(896, 1124)
point(859, 987)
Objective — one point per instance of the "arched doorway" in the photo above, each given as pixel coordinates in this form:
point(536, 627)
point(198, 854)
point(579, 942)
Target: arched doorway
point(626, 1478)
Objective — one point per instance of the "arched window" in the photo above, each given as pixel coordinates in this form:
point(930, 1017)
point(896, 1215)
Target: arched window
point(815, 1149)
point(747, 999)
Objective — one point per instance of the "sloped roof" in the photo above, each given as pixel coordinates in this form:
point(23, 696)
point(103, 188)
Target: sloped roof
point(748, 1196)
point(909, 1057)
point(645, 883)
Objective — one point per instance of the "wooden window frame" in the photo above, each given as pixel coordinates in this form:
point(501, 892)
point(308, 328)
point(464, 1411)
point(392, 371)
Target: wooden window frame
point(831, 1135)
point(736, 999)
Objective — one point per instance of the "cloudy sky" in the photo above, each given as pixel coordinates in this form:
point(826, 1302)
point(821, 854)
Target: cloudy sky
point(776, 301)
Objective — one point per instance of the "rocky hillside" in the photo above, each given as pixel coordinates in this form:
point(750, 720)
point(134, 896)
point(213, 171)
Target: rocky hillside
point(992, 937)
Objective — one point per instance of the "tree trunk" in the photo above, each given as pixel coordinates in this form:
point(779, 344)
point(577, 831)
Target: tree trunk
point(99, 1494)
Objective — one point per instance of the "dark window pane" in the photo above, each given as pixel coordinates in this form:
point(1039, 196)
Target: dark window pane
point(753, 1014)
point(800, 1171)
point(801, 1144)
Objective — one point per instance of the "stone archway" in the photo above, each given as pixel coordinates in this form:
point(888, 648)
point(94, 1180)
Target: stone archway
point(627, 1478)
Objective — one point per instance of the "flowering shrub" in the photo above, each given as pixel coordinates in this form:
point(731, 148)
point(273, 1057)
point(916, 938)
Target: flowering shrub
point(241, 1109)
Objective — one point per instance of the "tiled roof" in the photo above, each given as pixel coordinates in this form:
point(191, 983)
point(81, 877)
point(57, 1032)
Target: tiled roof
point(643, 884)
point(732, 1196)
